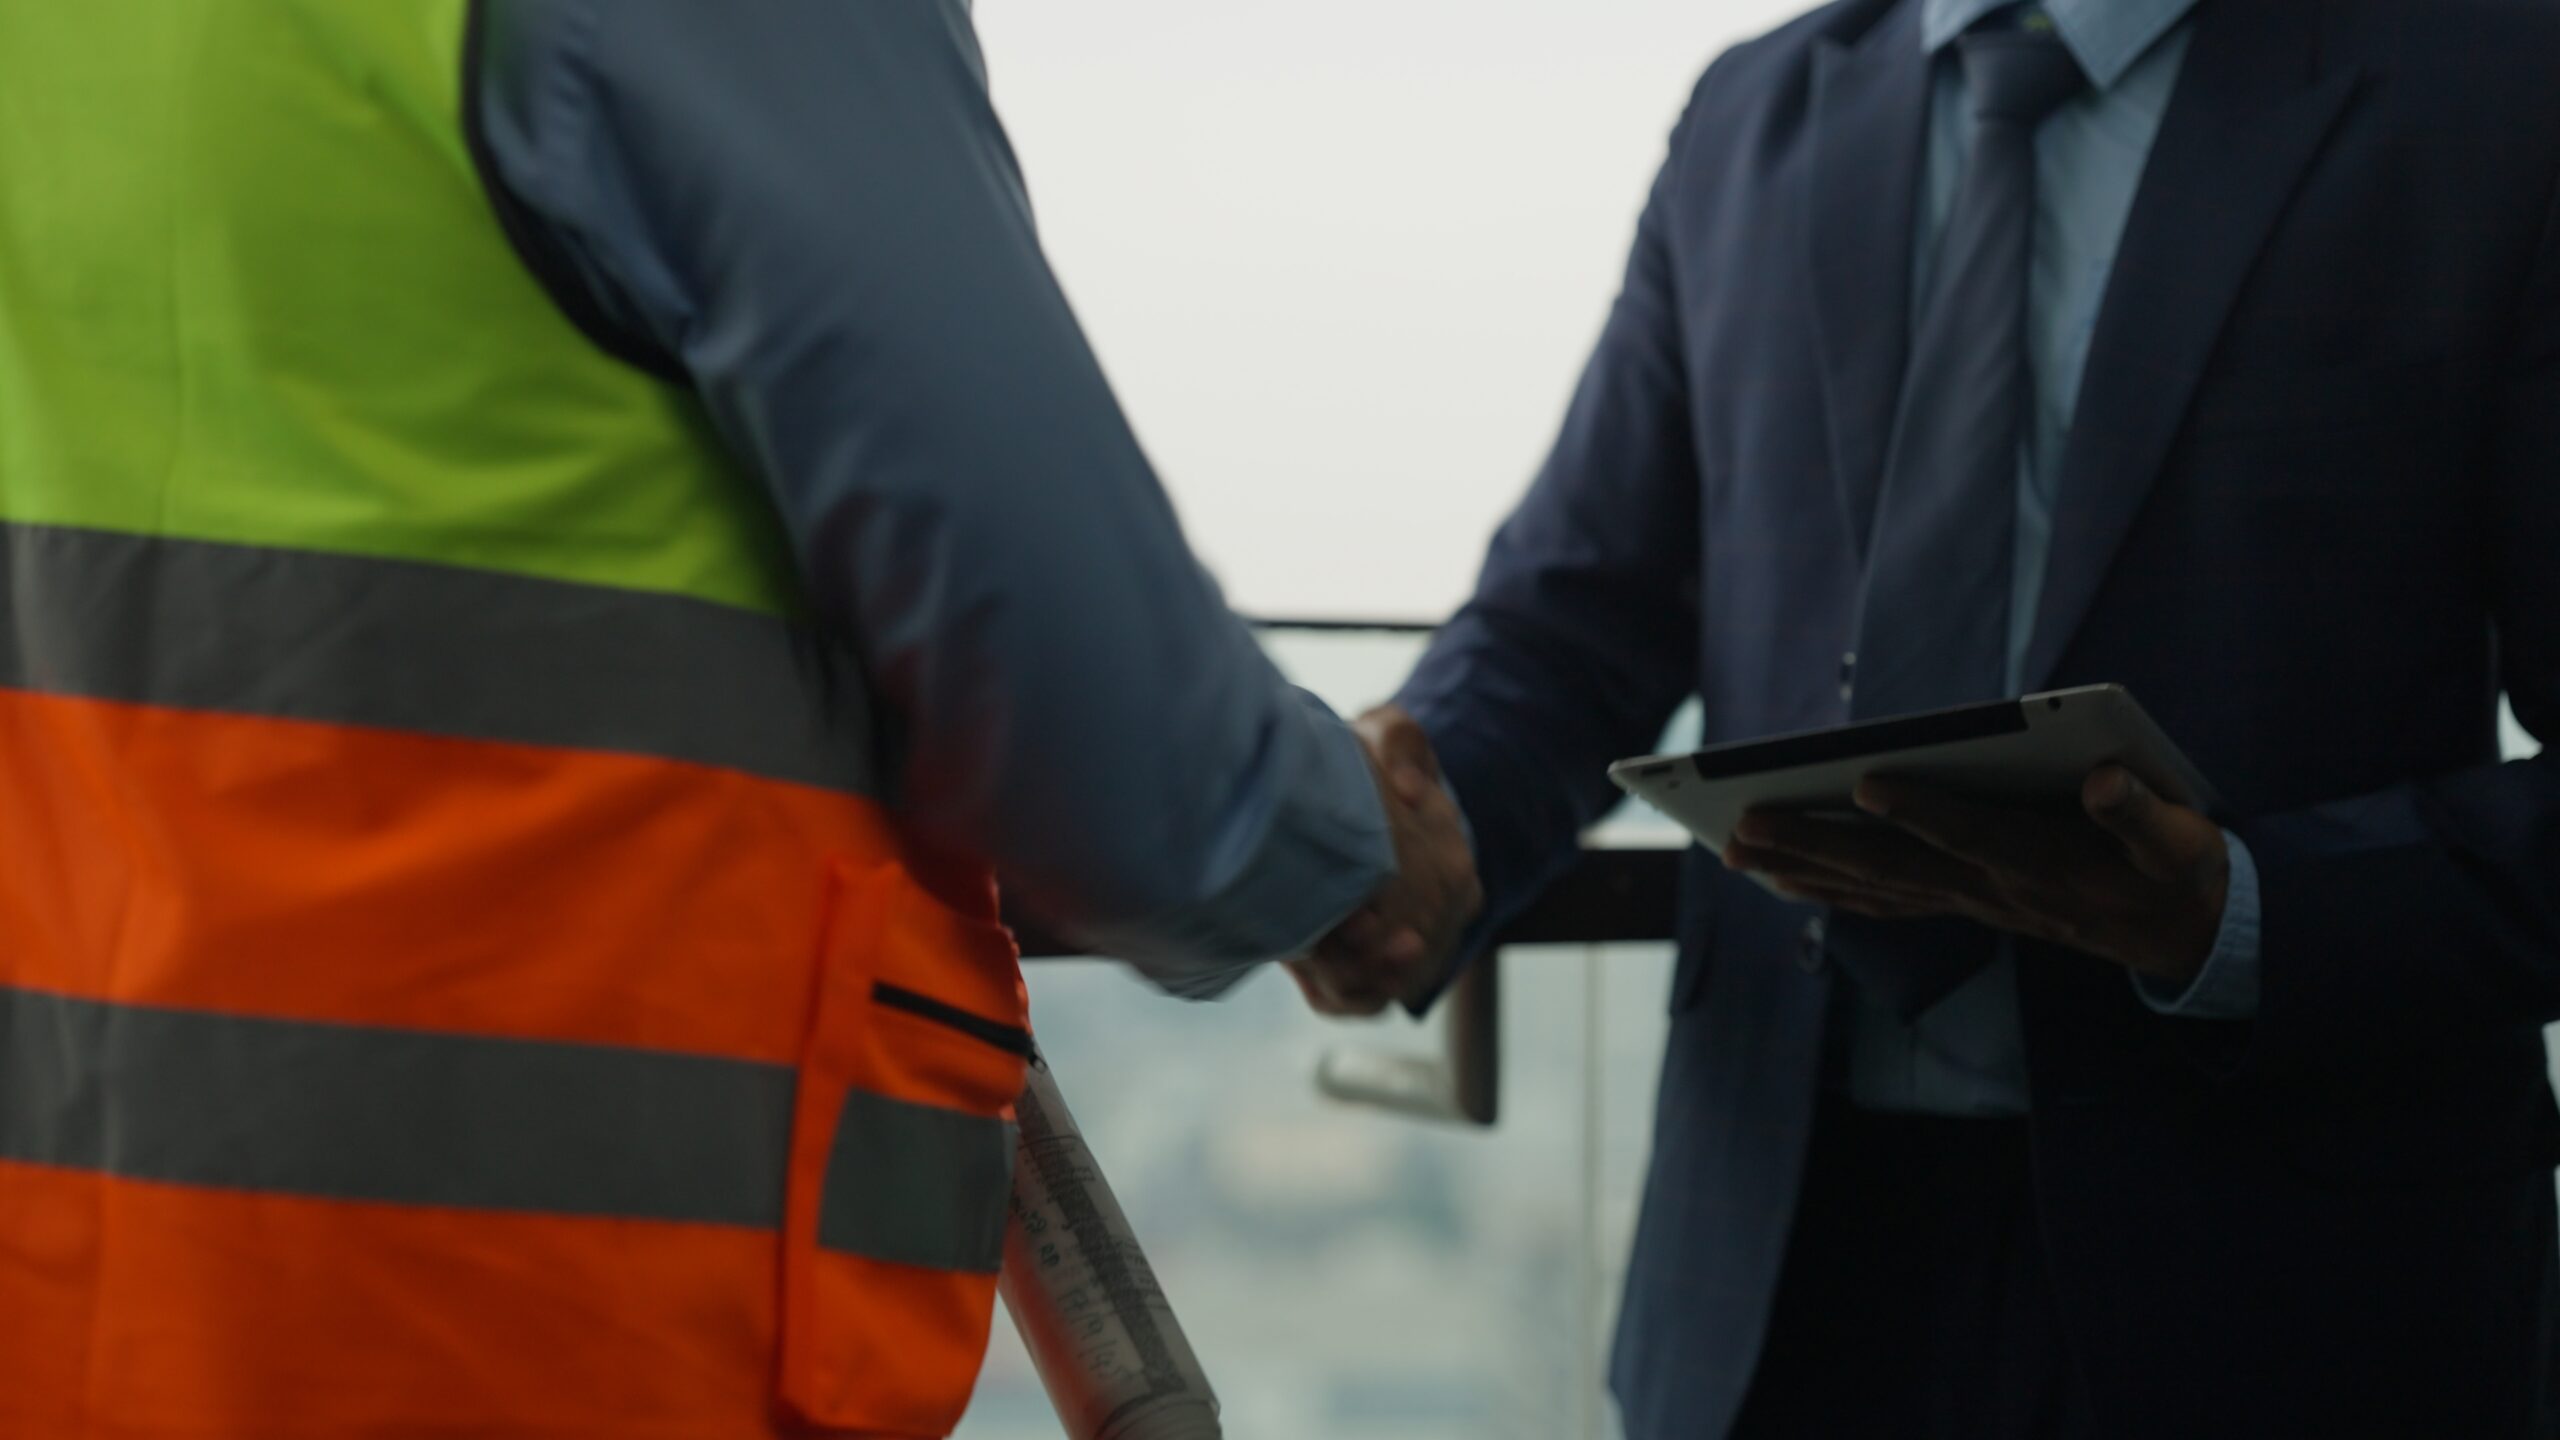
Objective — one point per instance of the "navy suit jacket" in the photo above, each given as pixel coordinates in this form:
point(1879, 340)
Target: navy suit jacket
point(2310, 513)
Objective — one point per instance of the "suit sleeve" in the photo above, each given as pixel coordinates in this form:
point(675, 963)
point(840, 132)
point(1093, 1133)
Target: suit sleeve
point(1581, 637)
point(2423, 916)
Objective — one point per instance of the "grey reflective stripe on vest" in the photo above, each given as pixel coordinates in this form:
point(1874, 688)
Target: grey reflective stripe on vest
point(948, 1215)
point(474, 654)
point(344, 1112)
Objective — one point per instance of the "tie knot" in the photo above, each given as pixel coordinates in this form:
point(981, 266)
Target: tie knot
point(2019, 76)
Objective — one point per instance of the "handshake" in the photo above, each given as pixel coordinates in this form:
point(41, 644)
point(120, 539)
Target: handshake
point(1399, 945)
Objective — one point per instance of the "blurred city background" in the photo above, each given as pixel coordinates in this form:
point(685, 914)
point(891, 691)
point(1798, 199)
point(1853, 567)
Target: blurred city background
point(1346, 1273)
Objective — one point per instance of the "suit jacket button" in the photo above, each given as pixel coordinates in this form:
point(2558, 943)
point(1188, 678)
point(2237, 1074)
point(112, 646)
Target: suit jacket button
point(1810, 957)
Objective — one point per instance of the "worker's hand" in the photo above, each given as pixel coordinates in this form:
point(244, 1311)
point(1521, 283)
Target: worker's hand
point(1395, 947)
point(2133, 879)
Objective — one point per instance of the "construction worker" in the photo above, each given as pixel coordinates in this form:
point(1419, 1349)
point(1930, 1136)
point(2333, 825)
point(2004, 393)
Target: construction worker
point(550, 551)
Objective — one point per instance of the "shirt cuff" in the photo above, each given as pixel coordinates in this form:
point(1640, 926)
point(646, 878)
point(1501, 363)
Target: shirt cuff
point(1326, 851)
point(2227, 987)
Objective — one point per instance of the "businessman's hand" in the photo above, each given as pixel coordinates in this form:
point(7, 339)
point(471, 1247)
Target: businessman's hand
point(1397, 945)
point(2133, 879)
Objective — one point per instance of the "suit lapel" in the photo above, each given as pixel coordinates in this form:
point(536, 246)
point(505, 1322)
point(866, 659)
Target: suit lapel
point(2249, 114)
point(1870, 109)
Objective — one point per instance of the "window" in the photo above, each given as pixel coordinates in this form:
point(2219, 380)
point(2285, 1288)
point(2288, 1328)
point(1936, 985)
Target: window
point(1343, 260)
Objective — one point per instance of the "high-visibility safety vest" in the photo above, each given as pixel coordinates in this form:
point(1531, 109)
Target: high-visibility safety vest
point(457, 977)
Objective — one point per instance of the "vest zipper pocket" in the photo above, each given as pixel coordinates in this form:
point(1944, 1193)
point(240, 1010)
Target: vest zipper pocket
point(1012, 1039)
point(902, 1151)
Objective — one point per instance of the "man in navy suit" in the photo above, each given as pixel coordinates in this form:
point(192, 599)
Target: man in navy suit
point(2210, 347)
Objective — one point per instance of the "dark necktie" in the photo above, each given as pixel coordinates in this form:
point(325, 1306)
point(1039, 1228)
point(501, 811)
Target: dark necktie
point(1934, 622)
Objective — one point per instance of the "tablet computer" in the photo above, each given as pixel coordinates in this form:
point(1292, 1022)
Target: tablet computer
point(2038, 748)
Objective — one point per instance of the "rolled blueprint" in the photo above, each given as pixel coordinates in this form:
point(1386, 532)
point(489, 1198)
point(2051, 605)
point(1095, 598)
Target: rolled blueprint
point(1108, 1349)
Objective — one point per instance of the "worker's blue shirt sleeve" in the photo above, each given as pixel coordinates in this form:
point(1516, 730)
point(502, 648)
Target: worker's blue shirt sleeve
point(809, 208)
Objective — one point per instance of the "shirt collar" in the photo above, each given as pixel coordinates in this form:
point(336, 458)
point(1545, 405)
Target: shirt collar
point(2105, 36)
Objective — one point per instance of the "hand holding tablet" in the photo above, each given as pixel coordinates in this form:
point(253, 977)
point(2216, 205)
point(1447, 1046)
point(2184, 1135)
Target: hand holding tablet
point(2066, 817)
point(2038, 748)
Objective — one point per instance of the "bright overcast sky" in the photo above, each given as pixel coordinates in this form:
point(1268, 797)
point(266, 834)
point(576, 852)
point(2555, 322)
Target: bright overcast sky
point(1343, 258)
